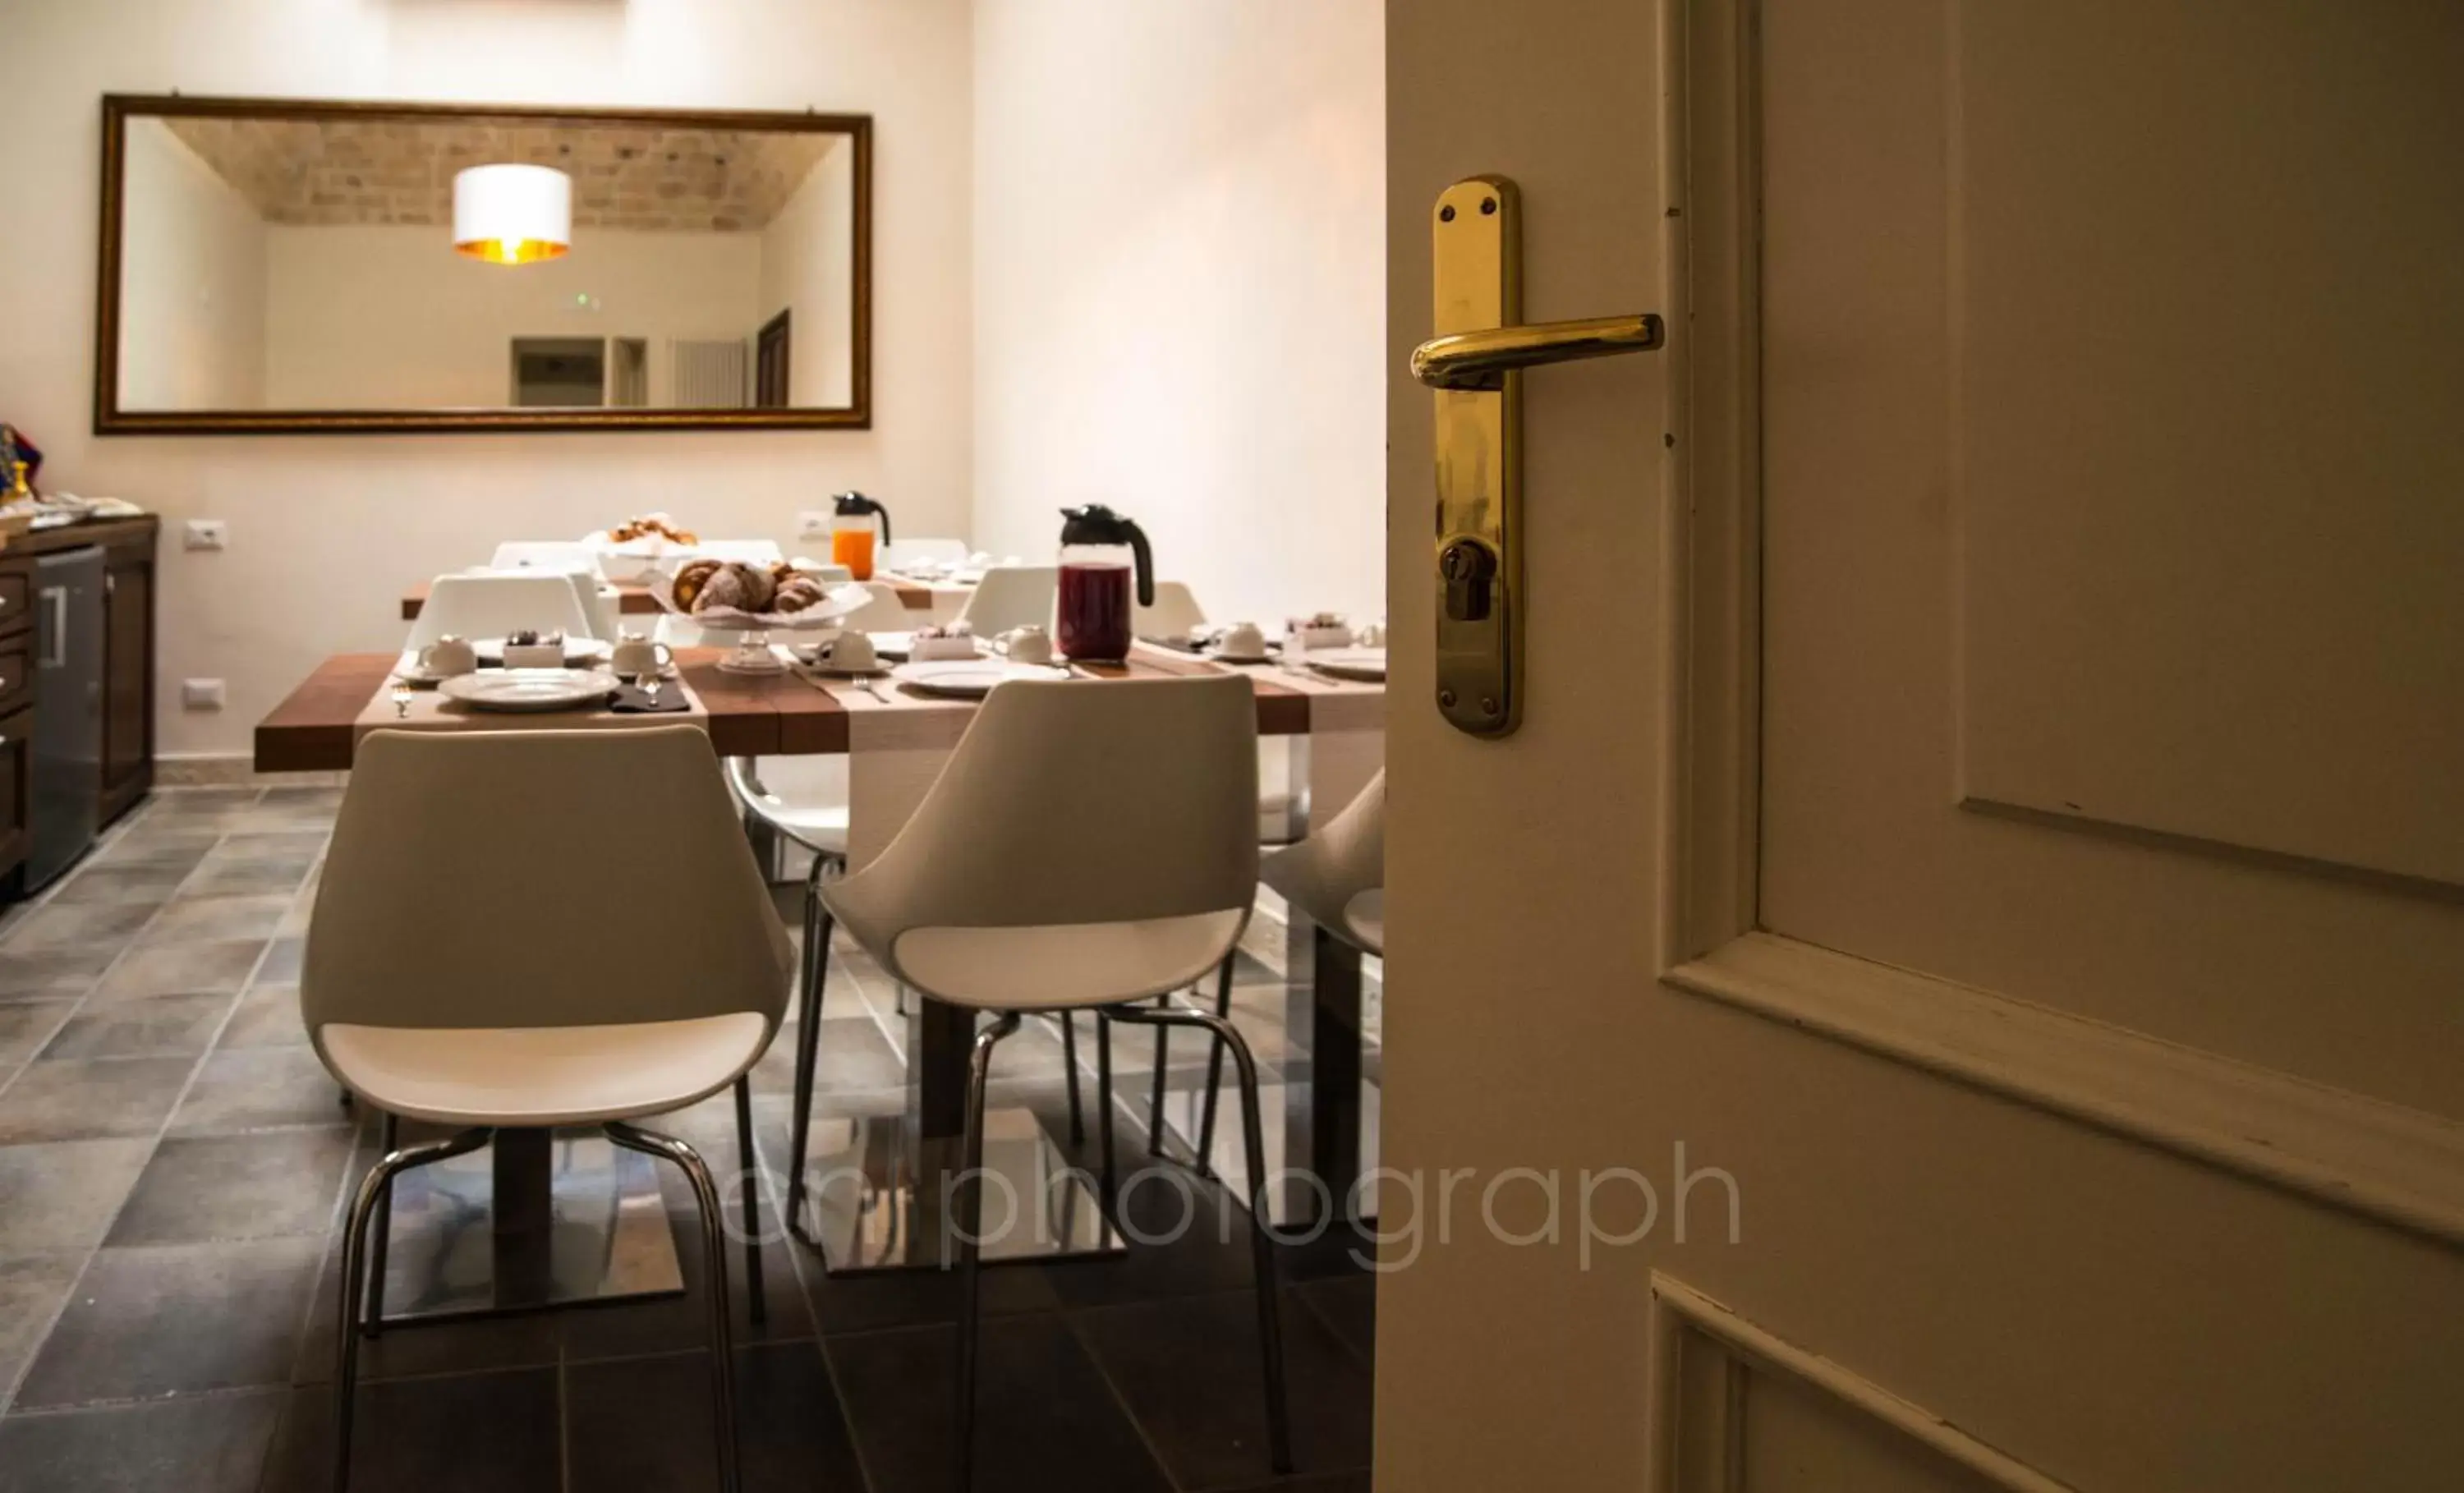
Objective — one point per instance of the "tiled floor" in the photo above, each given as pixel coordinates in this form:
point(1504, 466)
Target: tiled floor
point(172, 1160)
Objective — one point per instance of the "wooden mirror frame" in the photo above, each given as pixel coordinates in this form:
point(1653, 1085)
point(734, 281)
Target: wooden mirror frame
point(109, 419)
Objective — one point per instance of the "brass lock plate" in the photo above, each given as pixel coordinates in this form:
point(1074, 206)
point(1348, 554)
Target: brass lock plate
point(1476, 563)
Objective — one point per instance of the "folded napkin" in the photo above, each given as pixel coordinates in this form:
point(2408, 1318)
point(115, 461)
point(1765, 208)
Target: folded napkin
point(633, 700)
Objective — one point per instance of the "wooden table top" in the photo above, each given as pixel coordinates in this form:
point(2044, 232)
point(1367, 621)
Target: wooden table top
point(750, 715)
point(636, 601)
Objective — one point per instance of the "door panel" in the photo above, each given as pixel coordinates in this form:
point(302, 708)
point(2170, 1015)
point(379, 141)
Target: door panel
point(2109, 607)
point(128, 681)
point(2097, 1310)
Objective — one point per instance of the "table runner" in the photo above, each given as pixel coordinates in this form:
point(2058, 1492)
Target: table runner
point(430, 710)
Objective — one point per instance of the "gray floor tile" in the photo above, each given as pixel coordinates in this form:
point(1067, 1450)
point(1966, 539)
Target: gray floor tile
point(121, 884)
point(477, 1433)
point(213, 1444)
point(165, 1026)
point(268, 1016)
point(1189, 1370)
point(79, 925)
point(25, 1025)
point(302, 798)
point(257, 1089)
point(200, 1189)
point(281, 966)
point(74, 1099)
point(181, 970)
point(147, 845)
point(52, 972)
point(645, 1423)
point(62, 1195)
point(246, 877)
point(268, 845)
point(195, 919)
point(31, 1289)
point(176, 1319)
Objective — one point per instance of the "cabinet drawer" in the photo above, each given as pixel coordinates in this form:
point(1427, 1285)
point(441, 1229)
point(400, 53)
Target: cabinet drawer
point(16, 670)
point(16, 597)
point(16, 783)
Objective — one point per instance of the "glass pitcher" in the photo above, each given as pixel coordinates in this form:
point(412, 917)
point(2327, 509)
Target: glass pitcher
point(1101, 553)
point(851, 530)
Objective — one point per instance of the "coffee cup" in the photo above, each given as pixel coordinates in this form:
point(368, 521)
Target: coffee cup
point(449, 655)
point(636, 656)
point(849, 652)
point(1242, 640)
point(1371, 635)
point(1027, 645)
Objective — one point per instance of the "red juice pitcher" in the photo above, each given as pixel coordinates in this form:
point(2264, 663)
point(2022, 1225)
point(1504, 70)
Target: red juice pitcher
point(1101, 553)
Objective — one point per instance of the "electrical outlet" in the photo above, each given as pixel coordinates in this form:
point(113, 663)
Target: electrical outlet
point(813, 524)
point(205, 534)
point(200, 695)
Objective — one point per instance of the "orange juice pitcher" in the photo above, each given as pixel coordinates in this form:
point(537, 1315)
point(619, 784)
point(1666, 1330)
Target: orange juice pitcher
point(852, 533)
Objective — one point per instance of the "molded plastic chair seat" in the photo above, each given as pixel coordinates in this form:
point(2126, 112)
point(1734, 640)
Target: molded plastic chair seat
point(490, 603)
point(1065, 966)
point(1012, 596)
point(537, 1076)
point(1366, 916)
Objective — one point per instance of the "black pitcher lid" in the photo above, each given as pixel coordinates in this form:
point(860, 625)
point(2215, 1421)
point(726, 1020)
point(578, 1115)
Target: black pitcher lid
point(1093, 523)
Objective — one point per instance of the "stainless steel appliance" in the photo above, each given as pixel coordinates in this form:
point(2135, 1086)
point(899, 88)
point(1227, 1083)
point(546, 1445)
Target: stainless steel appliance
point(66, 797)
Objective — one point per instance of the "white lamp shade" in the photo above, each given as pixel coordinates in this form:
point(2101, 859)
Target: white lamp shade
point(513, 214)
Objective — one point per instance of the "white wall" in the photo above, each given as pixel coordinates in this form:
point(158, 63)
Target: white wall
point(192, 265)
point(326, 531)
point(808, 269)
point(376, 318)
point(1180, 288)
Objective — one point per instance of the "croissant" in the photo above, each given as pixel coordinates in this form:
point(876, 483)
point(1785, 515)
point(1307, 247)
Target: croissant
point(692, 578)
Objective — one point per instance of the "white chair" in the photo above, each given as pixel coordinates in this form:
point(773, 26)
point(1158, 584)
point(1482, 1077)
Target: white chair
point(1175, 614)
point(907, 552)
point(547, 555)
point(1011, 596)
point(492, 604)
point(484, 840)
point(753, 552)
point(599, 609)
point(885, 612)
point(1134, 803)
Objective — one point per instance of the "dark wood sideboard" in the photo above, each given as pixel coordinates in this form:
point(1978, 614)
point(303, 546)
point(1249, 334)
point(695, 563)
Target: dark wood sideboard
point(127, 770)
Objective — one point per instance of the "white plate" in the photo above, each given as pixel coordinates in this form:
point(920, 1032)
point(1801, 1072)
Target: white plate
point(577, 651)
point(530, 688)
point(1362, 664)
point(970, 679)
point(842, 599)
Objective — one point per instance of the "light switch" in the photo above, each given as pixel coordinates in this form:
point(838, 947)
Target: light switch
point(200, 695)
point(205, 534)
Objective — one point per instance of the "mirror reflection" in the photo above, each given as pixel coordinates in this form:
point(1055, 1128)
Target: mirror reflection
point(362, 260)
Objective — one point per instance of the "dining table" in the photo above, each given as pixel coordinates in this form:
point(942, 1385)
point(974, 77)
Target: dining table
point(880, 1183)
point(932, 598)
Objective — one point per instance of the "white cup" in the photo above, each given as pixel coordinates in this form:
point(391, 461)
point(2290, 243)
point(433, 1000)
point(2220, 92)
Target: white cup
point(849, 652)
point(1028, 645)
point(636, 655)
point(449, 655)
point(1242, 640)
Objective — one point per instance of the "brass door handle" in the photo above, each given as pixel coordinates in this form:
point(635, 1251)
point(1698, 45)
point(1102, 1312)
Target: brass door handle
point(1482, 360)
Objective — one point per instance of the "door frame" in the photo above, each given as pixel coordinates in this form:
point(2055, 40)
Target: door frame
point(2388, 1163)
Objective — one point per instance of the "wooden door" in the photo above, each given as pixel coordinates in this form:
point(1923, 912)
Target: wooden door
point(1954, 984)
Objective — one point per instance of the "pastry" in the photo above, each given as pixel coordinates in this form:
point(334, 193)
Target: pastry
point(651, 526)
point(797, 593)
point(747, 588)
point(692, 578)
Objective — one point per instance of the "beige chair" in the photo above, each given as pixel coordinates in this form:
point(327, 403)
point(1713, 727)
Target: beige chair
point(1011, 596)
point(1087, 846)
point(752, 552)
point(547, 555)
point(907, 552)
point(1336, 878)
point(885, 612)
point(483, 843)
point(1175, 614)
point(490, 603)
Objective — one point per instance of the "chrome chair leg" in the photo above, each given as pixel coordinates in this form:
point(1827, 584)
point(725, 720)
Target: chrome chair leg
point(1262, 1242)
point(1155, 1100)
point(812, 976)
point(1069, 1074)
point(1104, 1105)
point(714, 1247)
point(967, 1241)
point(748, 1180)
point(382, 1226)
point(1214, 1071)
point(373, 1189)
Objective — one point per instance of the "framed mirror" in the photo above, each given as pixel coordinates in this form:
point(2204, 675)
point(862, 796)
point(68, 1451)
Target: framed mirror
point(277, 265)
